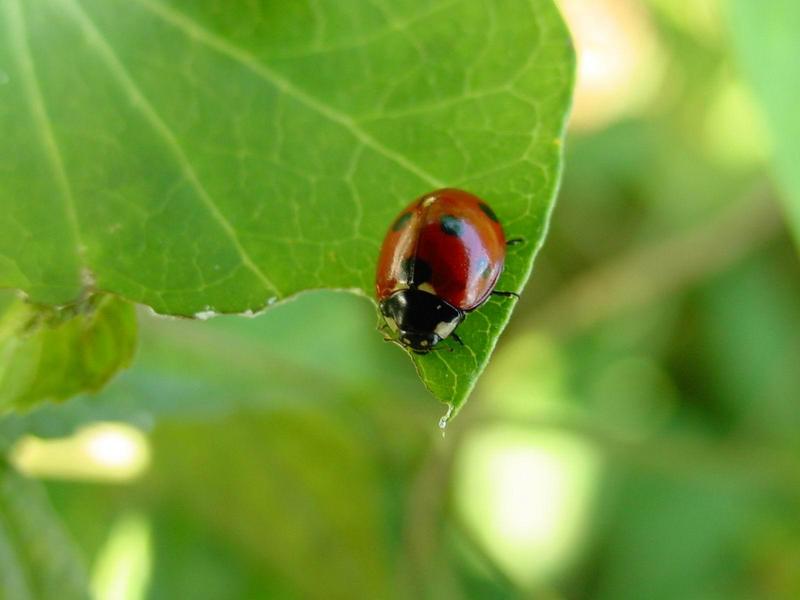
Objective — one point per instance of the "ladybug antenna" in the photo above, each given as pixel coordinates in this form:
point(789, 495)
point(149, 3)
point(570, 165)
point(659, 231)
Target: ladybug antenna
point(391, 340)
point(438, 348)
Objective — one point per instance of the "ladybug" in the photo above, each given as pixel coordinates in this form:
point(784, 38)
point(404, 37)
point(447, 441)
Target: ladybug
point(440, 259)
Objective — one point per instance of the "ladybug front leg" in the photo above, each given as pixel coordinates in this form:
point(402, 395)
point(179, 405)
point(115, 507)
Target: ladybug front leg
point(448, 347)
point(385, 330)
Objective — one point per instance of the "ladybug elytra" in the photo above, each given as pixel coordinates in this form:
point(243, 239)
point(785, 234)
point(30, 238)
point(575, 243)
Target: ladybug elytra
point(441, 258)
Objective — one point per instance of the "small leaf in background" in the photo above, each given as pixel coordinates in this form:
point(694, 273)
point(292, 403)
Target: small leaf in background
point(202, 158)
point(765, 35)
point(49, 353)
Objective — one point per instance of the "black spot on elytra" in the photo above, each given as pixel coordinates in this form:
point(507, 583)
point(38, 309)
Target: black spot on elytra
point(401, 221)
point(416, 271)
point(488, 211)
point(451, 225)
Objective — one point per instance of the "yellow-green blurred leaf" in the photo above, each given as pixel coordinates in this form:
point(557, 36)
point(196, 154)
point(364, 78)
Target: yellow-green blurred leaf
point(54, 353)
point(766, 36)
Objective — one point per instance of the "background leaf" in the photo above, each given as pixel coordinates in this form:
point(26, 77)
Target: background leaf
point(55, 353)
point(206, 159)
point(189, 371)
point(765, 36)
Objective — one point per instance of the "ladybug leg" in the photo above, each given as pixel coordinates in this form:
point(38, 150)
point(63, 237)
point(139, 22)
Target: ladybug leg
point(448, 347)
point(515, 241)
point(505, 294)
point(442, 347)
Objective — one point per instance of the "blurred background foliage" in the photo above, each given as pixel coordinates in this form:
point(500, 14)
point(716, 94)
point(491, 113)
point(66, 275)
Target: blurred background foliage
point(635, 436)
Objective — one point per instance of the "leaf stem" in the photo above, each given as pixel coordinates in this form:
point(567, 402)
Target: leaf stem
point(668, 453)
point(644, 274)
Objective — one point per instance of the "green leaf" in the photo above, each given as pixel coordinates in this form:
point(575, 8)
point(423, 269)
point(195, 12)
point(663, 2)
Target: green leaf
point(766, 37)
point(201, 158)
point(37, 558)
point(55, 353)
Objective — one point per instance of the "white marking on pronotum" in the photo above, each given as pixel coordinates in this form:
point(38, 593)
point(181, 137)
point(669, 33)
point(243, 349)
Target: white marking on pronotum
point(445, 328)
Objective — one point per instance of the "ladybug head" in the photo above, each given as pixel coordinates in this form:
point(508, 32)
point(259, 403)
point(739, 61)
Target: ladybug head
point(420, 319)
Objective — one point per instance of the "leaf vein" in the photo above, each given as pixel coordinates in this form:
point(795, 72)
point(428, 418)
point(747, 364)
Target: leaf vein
point(41, 118)
point(197, 32)
point(161, 128)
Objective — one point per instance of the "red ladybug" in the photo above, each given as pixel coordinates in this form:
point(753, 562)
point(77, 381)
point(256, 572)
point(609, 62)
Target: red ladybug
point(440, 259)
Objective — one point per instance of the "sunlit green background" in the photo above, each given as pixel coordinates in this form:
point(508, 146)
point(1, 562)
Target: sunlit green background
point(635, 436)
